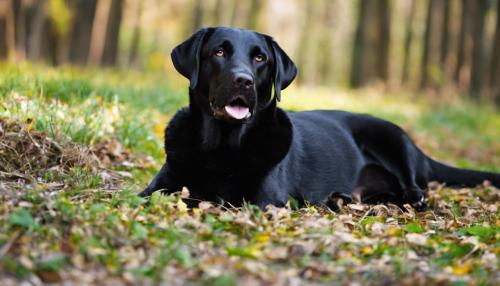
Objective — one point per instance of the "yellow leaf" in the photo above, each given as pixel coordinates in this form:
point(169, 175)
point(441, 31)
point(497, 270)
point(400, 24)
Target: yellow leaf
point(30, 121)
point(261, 237)
point(366, 250)
point(181, 206)
point(392, 231)
point(462, 269)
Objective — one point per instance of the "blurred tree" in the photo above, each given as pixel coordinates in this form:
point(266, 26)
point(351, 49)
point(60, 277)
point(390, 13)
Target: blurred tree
point(19, 13)
point(98, 34)
point(408, 41)
point(382, 55)
point(239, 14)
point(455, 42)
point(254, 14)
point(325, 39)
point(445, 33)
point(463, 43)
point(4, 11)
point(197, 15)
point(370, 59)
point(81, 30)
point(10, 40)
point(110, 53)
point(357, 78)
point(133, 58)
point(306, 53)
point(222, 13)
point(218, 13)
point(479, 9)
point(433, 50)
point(495, 60)
point(38, 30)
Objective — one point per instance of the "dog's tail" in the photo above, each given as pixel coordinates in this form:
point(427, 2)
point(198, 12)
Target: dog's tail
point(455, 177)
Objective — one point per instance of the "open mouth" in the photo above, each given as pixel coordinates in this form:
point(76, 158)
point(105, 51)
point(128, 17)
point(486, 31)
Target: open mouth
point(238, 109)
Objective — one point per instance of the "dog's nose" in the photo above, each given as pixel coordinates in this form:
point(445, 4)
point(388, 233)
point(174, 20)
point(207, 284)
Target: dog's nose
point(243, 80)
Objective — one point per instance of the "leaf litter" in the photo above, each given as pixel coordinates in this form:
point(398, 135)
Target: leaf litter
point(102, 233)
point(31, 159)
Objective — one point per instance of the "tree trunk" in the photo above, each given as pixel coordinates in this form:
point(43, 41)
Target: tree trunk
point(305, 48)
point(218, 12)
point(408, 41)
point(357, 78)
point(10, 38)
point(253, 15)
point(3, 32)
point(98, 32)
point(427, 46)
point(325, 42)
point(133, 59)
point(373, 32)
point(495, 61)
point(382, 63)
point(37, 33)
point(462, 40)
point(445, 33)
point(197, 15)
point(81, 31)
point(239, 15)
point(110, 53)
point(19, 13)
point(432, 73)
point(479, 10)
point(4, 13)
point(222, 13)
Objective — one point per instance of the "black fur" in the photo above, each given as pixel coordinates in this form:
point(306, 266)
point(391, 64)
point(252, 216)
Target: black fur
point(313, 156)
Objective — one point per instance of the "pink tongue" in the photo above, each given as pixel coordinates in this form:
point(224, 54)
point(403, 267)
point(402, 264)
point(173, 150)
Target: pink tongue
point(236, 111)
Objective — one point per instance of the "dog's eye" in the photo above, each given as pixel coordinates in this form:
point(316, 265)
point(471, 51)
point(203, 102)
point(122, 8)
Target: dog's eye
point(259, 58)
point(219, 53)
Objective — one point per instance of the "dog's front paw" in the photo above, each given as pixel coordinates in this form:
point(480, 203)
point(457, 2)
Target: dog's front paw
point(147, 192)
point(416, 198)
point(420, 205)
point(335, 200)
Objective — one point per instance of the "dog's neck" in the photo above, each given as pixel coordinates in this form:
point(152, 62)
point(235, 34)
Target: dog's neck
point(216, 133)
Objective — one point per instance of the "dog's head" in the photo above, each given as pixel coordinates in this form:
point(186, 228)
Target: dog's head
point(233, 71)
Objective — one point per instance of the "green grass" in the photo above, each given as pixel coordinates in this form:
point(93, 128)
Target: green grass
point(77, 225)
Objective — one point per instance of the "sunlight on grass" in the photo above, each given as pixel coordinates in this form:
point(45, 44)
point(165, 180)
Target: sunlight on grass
point(89, 104)
point(370, 101)
point(84, 221)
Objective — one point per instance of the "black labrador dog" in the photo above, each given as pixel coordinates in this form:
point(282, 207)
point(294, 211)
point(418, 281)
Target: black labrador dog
point(233, 144)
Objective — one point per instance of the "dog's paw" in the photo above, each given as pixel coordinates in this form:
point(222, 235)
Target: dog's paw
point(416, 199)
point(146, 193)
point(420, 205)
point(336, 200)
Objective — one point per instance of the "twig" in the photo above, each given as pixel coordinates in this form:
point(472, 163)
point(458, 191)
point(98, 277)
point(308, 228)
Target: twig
point(6, 247)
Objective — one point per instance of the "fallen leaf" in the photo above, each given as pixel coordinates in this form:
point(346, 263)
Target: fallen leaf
point(416, 239)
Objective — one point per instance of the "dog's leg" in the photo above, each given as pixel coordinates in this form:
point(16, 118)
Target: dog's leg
point(387, 145)
point(163, 181)
point(271, 193)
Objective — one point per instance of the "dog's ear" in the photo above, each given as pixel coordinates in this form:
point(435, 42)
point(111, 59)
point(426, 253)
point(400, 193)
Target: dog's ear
point(284, 68)
point(186, 56)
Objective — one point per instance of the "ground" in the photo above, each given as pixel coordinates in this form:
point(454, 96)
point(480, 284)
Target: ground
point(77, 145)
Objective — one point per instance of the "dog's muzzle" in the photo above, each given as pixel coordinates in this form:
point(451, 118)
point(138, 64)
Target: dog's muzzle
point(236, 110)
